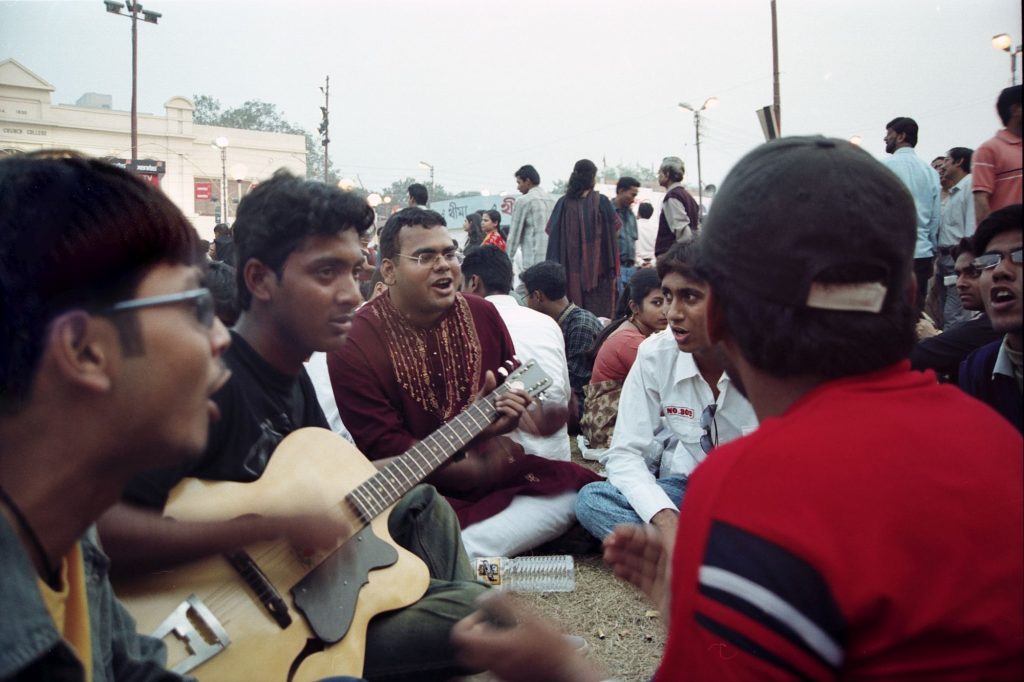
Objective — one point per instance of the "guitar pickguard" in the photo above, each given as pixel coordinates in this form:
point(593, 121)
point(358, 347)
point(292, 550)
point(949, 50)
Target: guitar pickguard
point(327, 595)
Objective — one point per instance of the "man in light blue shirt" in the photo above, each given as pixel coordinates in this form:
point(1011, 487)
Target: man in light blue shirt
point(923, 183)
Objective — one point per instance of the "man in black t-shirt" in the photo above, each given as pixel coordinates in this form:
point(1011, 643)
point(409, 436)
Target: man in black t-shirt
point(298, 290)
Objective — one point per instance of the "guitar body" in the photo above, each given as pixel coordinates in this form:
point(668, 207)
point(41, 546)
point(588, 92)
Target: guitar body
point(310, 472)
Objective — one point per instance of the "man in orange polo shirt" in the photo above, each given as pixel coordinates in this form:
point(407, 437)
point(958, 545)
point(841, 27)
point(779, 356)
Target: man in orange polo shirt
point(997, 162)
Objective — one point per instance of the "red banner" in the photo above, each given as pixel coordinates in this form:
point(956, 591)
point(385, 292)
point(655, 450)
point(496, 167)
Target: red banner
point(204, 190)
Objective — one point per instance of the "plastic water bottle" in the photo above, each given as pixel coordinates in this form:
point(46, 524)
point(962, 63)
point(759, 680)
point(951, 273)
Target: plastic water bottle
point(555, 573)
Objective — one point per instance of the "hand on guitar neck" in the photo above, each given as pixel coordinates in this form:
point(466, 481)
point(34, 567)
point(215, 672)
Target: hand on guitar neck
point(511, 407)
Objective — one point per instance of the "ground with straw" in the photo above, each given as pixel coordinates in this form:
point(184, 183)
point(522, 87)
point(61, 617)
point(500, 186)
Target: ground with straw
point(620, 625)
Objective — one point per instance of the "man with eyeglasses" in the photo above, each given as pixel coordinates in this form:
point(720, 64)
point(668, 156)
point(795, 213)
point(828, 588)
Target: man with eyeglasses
point(109, 355)
point(677, 404)
point(993, 372)
point(946, 350)
point(416, 357)
point(299, 254)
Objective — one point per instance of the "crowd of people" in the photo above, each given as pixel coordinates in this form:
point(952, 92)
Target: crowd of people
point(793, 497)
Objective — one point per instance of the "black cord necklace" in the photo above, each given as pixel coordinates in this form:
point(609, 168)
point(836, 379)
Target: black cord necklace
point(27, 529)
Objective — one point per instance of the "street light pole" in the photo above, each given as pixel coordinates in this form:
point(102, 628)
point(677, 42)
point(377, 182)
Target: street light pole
point(709, 103)
point(424, 164)
point(221, 143)
point(1004, 43)
point(150, 17)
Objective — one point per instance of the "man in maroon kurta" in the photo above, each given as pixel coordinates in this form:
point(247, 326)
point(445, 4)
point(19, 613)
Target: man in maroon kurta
point(416, 357)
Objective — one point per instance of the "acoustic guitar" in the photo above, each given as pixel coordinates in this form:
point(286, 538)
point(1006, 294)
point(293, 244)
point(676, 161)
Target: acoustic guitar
point(274, 612)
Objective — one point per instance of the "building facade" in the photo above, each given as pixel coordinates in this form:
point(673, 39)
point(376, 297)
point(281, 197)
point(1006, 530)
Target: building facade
point(173, 153)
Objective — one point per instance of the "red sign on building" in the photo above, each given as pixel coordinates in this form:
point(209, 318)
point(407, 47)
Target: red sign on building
point(204, 190)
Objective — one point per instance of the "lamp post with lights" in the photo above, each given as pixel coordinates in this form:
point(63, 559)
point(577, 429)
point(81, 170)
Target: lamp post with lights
point(134, 8)
point(709, 103)
point(221, 143)
point(427, 166)
point(1004, 43)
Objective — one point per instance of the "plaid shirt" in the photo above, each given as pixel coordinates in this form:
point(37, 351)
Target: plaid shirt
point(580, 328)
point(529, 226)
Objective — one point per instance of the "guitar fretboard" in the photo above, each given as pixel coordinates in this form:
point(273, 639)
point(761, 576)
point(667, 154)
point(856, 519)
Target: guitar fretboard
point(385, 487)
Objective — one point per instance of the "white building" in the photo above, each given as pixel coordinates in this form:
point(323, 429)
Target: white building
point(174, 153)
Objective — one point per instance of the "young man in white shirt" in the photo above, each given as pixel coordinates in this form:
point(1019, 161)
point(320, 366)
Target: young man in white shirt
point(677, 391)
point(487, 272)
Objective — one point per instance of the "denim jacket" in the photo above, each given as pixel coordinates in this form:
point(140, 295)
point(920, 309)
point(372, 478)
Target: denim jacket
point(32, 649)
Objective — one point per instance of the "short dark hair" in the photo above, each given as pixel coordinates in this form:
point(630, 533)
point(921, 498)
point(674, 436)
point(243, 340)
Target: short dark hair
point(965, 245)
point(366, 288)
point(75, 233)
point(905, 125)
point(547, 277)
point(222, 281)
point(491, 265)
point(962, 156)
point(645, 210)
point(626, 182)
point(1007, 98)
point(494, 216)
point(528, 172)
point(681, 258)
point(221, 229)
point(413, 215)
point(419, 193)
point(1007, 219)
point(276, 217)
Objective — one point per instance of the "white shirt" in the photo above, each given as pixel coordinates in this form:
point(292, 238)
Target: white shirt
point(316, 368)
point(664, 386)
point(538, 337)
point(646, 235)
point(957, 214)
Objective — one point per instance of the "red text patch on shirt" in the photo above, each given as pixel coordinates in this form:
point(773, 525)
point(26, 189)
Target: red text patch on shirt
point(681, 411)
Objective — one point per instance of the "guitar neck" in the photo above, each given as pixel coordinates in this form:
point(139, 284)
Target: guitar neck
point(399, 476)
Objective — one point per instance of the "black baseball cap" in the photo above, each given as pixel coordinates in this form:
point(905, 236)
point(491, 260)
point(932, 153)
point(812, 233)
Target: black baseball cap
point(795, 216)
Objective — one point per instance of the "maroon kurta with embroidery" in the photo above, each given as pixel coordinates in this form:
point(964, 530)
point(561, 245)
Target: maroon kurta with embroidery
point(396, 383)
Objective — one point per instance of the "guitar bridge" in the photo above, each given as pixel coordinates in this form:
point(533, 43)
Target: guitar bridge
point(196, 626)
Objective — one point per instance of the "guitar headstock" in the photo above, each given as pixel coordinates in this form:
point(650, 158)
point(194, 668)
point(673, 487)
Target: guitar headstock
point(529, 376)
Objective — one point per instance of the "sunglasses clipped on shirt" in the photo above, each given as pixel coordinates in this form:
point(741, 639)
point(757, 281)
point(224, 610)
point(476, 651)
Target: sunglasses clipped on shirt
point(707, 422)
point(202, 298)
point(990, 260)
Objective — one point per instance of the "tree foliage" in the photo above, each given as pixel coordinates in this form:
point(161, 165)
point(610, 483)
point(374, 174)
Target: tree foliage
point(399, 191)
point(258, 115)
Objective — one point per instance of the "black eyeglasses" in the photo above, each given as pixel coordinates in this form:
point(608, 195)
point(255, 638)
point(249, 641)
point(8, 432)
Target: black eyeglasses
point(707, 422)
point(202, 297)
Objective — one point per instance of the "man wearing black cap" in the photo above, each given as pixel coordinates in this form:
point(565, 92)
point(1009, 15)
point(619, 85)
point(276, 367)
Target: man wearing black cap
point(847, 537)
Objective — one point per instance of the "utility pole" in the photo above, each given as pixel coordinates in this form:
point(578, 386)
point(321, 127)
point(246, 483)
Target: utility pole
point(776, 102)
point(133, 7)
point(325, 122)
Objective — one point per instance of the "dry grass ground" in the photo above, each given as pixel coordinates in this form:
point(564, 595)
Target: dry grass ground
point(615, 618)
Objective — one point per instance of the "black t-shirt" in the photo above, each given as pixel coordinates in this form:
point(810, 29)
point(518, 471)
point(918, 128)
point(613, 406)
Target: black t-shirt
point(259, 406)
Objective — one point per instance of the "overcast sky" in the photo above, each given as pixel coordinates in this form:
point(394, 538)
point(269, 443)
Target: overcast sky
point(478, 88)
